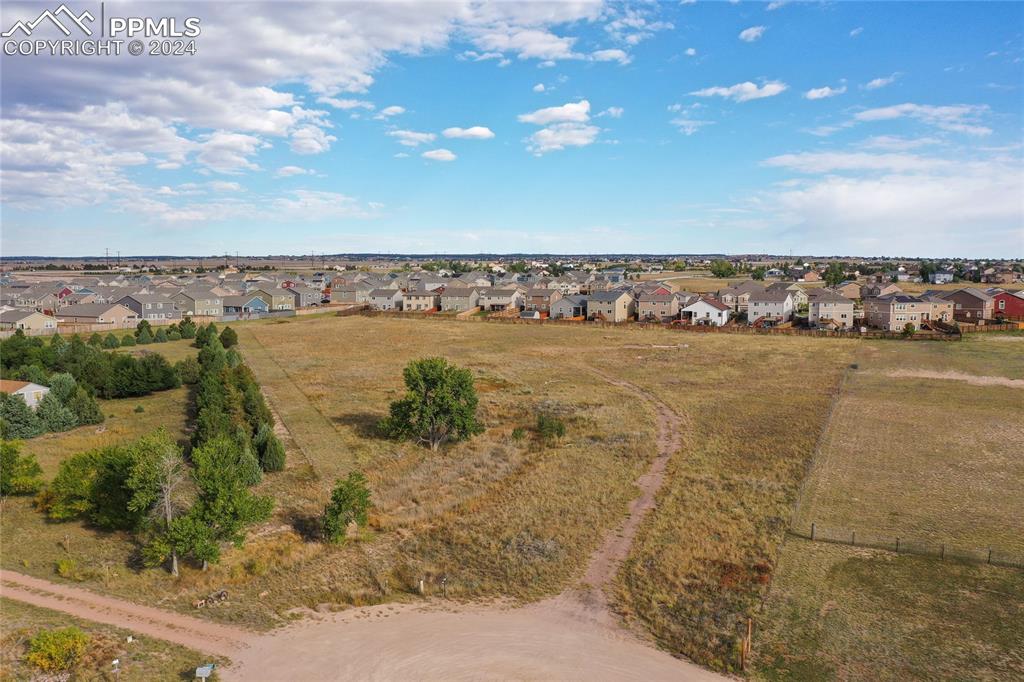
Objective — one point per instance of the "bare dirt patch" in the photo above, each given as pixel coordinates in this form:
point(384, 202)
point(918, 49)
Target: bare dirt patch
point(972, 379)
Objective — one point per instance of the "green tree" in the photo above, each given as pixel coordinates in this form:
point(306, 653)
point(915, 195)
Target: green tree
point(228, 337)
point(143, 326)
point(110, 341)
point(17, 420)
point(722, 268)
point(909, 330)
point(758, 274)
point(85, 408)
point(156, 479)
point(19, 474)
point(187, 328)
point(57, 651)
point(439, 405)
point(188, 370)
point(270, 448)
point(62, 387)
point(127, 340)
point(144, 335)
point(160, 336)
point(349, 503)
point(834, 274)
point(174, 336)
point(55, 416)
point(96, 340)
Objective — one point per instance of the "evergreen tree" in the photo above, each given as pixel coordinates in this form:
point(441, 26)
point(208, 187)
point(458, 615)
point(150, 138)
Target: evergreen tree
point(127, 340)
point(19, 474)
point(228, 337)
point(55, 416)
point(17, 420)
point(110, 341)
point(96, 340)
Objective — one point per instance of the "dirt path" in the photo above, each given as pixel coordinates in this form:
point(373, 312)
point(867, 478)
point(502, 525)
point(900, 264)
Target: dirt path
point(194, 633)
point(570, 637)
point(973, 379)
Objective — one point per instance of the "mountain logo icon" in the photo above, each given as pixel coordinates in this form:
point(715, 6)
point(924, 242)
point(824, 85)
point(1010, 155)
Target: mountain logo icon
point(26, 27)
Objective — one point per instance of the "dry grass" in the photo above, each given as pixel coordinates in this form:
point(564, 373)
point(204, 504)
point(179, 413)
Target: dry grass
point(928, 460)
point(142, 659)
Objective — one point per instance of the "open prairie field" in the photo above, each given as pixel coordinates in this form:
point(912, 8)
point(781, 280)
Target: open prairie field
point(142, 659)
point(924, 444)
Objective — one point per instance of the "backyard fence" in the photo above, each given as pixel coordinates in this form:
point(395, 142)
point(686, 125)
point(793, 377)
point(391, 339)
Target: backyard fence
point(905, 545)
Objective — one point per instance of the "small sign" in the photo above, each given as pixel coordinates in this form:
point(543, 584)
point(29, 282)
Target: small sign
point(204, 671)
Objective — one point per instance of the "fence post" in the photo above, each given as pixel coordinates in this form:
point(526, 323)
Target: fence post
point(943, 555)
point(812, 530)
point(989, 555)
point(853, 537)
point(897, 545)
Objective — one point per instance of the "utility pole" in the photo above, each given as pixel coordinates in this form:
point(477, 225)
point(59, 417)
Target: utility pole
point(106, 258)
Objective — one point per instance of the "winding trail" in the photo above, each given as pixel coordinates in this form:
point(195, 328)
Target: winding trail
point(573, 636)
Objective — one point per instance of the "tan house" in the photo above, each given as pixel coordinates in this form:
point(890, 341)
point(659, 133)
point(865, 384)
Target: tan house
point(27, 320)
point(829, 308)
point(199, 301)
point(877, 289)
point(800, 296)
point(115, 315)
point(421, 300)
point(541, 300)
point(896, 311)
point(657, 307)
point(276, 298)
point(737, 297)
point(459, 299)
point(611, 306)
point(494, 299)
point(849, 289)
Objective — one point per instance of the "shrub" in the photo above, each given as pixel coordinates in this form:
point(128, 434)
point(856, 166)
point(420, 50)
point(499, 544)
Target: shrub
point(94, 485)
point(909, 330)
point(187, 328)
point(518, 433)
point(85, 408)
point(96, 340)
point(550, 427)
point(272, 456)
point(19, 474)
point(139, 409)
point(174, 336)
point(127, 340)
point(67, 568)
point(160, 336)
point(55, 416)
point(350, 500)
point(110, 341)
point(145, 336)
point(188, 370)
point(228, 337)
point(55, 651)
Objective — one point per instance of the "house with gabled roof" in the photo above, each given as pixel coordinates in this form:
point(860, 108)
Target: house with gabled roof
point(657, 307)
point(829, 308)
point(26, 390)
point(617, 305)
point(459, 299)
point(770, 306)
point(27, 320)
point(152, 307)
point(707, 311)
point(568, 307)
point(385, 299)
point(113, 314)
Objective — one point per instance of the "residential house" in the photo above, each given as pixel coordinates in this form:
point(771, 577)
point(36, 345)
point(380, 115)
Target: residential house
point(351, 293)
point(849, 289)
point(829, 308)
point(941, 276)
point(893, 312)
point(494, 299)
point(306, 297)
point(567, 307)
point(29, 392)
point(800, 297)
point(421, 300)
point(876, 289)
point(246, 304)
point(276, 298)
point(113, 314)
point(1006, 304)
point(611, 306)
point(152, 307)
point(27, 320)
point(770, 306)
point(737, 297)
point(78, 297)
point(1000, 276)
point(199, 301)
point(40, 297)
point(657, 307)
point(385, 299)
point(459, 299)
point(707, 311)
point(541, 299)
point(970, 305)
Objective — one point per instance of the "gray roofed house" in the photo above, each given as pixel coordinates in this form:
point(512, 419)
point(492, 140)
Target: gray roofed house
point(829, 307)
point(151, 306)
point(385, 299)
point(568, 307)
point(776, 306)
point(459, 299)
point(113, 314)
point(27, 320)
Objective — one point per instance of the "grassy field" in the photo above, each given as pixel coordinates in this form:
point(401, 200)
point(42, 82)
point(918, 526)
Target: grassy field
point(932, 461)
point(142, 659)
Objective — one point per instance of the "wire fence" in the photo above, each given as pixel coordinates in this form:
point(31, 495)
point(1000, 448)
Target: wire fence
point(904, 545)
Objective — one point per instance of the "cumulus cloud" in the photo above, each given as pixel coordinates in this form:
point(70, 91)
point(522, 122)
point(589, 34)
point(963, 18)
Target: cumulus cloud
point(439, 155)
point(411, 138)
point(881, 82)
point(687, 119)
point(612, 55)
point(749, 35)
point(824, 92)
point(227, 152)
point(690, 52)
point(957, 118)
point(613, 112)
point(573, 111)
point(634, 26)
point(743, 92)
point(828, 162)
point(539, 87)
point(856, 32)
point(311, 139)
point(289, 171)
point(345, 104)
point(558, 136)
point(472, 133)
point(388, 112)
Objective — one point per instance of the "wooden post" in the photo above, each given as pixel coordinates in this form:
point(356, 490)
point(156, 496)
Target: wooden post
point(750, 635)
point(943, 555)
point(897, 545)
point(989, 555)
point(812, 530)
point(422, 592)
point(853, 537)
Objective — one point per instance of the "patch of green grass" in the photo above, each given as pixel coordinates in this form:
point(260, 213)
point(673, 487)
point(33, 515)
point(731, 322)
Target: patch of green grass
point(144, 658)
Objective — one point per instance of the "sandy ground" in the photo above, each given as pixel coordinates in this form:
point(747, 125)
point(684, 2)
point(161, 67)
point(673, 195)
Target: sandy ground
point(973, 379)
point(570, 637)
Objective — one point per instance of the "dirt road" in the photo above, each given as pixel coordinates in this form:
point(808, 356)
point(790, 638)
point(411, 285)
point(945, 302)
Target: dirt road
point(570, 637)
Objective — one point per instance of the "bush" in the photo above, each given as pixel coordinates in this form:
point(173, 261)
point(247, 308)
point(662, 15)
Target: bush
point(187, 328)
point(55, 651)
point(139, 409)
point(110, 341)
point(350, 500)
point(518, 433)
point(67, 568)
point(909, 330)
point(19, 474)
point(145, 336)
point(174, 336)
point(94, 485)
point(550, 427)
point(188, 370)
point(96, 340)
point(160, 336)
point(272, 456)
point(127, 340)
point(228, 337)
point(85, 408)
point(17, 420)
point(54, 416)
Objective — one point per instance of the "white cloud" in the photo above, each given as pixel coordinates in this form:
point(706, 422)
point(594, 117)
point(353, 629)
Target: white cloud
point(289, 171)
point(743, 92)
point(613, 55)
point(558, 136)
point(958, 118)
point(311, 139)
point(573, 111)
point(776, 4)
point(227, 152)
point(828, 162)
point(690, 52)
point(411, 138)
point(401, 155)
point(346, 103)
point(388, 112)
point(223, 186)
point(896, 143)
point(439, 155)
point(856, 32)
point(473, 133)
point(613, 112)
point(539, 87)
point(749, 35)
point(824, 92)
point(314, 205)
point(881, 82)
point(685, 121)
point(635, 26)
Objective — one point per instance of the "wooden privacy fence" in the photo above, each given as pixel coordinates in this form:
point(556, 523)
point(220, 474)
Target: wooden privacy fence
point(906, 545)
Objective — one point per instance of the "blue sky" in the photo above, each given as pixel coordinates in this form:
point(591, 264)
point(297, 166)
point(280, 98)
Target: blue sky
point(810, 128)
